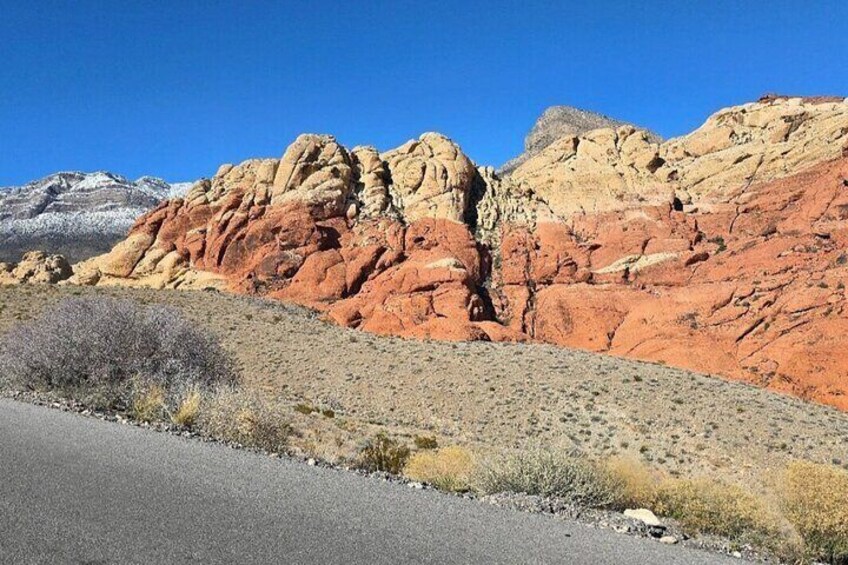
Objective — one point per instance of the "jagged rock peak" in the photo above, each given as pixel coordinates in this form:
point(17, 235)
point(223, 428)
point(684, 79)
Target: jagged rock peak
point(563, 121)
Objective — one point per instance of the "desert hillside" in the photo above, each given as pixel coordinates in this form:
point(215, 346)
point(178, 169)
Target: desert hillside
point(722, 251)
point(491, 395)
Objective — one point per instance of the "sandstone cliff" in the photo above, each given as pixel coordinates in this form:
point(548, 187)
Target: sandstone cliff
point(724, 251)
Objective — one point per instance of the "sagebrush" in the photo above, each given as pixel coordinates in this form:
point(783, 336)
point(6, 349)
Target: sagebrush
point(549, 473)
point(105, 343)
point(382, 453)
point(246, 418)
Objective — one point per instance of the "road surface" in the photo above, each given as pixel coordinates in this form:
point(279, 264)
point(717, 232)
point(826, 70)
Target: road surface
point(79, 490)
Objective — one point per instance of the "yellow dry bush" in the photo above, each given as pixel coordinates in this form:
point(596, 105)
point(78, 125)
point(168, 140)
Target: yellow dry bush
point(815, 500)
point(637, 485)
point(187, 412)
point(711, 507)
point(148, 403)
point(447, 468)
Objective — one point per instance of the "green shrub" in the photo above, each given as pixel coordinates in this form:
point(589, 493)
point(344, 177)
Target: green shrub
point(426, 442)
point(382, 453)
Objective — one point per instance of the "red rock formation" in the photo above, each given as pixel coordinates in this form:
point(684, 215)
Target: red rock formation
point(710, 252)
point(753, 289)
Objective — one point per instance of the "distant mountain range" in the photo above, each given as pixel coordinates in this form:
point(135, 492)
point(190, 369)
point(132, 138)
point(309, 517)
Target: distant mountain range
point(76, 214)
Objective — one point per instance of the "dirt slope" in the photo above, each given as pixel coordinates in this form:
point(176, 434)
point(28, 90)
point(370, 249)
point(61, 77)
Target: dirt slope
point(498, 395)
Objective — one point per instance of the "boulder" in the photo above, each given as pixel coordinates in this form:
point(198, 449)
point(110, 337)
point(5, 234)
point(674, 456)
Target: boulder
point(645, 516)
point(36, 267)
point(431, 178)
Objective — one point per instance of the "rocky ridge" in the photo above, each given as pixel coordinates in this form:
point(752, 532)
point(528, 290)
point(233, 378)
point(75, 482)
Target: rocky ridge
point(722, 251)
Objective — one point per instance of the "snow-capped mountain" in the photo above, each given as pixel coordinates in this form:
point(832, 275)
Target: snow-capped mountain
point(76, 214)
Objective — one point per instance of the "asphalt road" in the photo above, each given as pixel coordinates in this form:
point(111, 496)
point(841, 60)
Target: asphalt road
point(79, 490)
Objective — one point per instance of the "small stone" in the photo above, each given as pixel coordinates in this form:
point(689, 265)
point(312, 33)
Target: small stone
point(668, 540)
point(644, 515)
point(311, 462)
point(416, 485)
point(737, 554)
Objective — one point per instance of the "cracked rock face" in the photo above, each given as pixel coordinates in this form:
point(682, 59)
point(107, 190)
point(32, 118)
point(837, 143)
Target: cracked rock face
point(752, 143)
point(599, 171)
point(682, 252)
point(753, 289)
point(431, 178)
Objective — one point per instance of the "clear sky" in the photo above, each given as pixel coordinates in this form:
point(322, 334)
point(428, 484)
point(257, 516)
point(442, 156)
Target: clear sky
point(174, 88)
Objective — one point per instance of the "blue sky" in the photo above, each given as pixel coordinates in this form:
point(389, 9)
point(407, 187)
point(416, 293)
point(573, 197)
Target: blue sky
point(175, 88)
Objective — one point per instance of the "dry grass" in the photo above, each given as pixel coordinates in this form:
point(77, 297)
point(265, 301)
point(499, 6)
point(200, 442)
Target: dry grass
point(815, 500)
point(705, 506)
point(245, 418)
point(448, 468)
point(637, 484)
point(188, 410)
point(148, 403)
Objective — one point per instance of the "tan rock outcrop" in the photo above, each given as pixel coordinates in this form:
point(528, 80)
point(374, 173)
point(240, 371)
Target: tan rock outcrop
point(315, 171)
point(598, 171)
point(35, 267)
point(372, 183)
point(498, 201)
point(755, 142)
point(605, 170)
point(431, 178)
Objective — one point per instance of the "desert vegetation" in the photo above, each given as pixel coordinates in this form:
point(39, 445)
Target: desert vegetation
point(145, 360)
point(804, 518)
point(548, 473)
point(117, 352)
point(160, 364)
point(448, 469)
